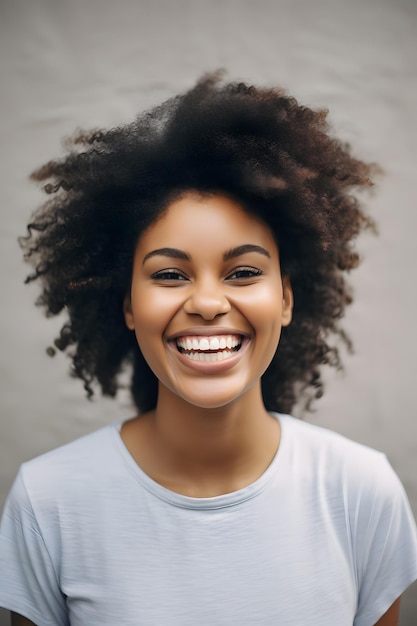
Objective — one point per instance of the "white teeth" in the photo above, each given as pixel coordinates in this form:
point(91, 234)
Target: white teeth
point(205, 344)
point(208, 356)
point(214, 343)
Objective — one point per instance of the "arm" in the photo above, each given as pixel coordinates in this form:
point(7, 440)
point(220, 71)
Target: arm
point(390, 618)
point(19, 620)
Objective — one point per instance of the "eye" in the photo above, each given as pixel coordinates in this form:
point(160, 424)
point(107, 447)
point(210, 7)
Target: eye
point(244, 273)
point(170, 275)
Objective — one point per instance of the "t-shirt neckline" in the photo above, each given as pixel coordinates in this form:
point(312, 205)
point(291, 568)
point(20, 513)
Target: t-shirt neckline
point(222, 501)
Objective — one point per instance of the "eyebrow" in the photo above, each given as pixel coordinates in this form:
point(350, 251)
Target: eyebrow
point(175, 253)
point(247, 247)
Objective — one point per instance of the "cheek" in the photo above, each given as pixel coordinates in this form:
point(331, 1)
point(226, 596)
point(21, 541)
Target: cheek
point(263, 307)
point(149, 327)
point(151, 307)
point(152, 312)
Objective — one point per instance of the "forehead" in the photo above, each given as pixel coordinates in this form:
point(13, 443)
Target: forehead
point(195, 221)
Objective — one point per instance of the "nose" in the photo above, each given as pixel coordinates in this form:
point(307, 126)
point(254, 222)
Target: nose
point(207, 300)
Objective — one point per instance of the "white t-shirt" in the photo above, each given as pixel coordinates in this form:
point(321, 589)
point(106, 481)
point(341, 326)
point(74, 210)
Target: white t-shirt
point(325, 536)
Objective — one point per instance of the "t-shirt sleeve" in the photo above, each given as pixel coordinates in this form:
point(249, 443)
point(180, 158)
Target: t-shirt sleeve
point(386, 545)
point(28, 581)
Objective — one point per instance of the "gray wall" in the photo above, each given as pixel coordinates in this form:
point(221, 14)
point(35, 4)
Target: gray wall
point(69, 63)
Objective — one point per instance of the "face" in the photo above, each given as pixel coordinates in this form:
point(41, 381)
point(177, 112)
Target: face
point(207, 299)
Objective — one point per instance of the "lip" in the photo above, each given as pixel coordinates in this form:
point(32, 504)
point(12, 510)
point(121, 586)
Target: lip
point(206, 331)
point(209, 367)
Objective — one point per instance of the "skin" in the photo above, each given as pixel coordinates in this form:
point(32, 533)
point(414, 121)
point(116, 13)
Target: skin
point(210, 432)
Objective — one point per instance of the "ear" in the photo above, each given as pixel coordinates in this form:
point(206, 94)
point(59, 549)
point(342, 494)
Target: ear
point(287, 301)
point(128, 313)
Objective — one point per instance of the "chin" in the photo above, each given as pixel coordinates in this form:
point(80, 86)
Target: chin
point(210, 404)
point(209, 399)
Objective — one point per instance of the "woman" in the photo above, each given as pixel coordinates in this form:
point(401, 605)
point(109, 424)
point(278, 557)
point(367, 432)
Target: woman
point(186, 247)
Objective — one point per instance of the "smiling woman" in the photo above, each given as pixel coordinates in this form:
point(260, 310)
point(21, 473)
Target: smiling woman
point(217, 277)
point(205, 246)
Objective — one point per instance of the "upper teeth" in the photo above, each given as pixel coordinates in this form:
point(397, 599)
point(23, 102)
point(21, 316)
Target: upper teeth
point(219, 342)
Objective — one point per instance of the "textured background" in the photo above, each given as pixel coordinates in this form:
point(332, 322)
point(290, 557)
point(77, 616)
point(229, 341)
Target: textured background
point(89, 63)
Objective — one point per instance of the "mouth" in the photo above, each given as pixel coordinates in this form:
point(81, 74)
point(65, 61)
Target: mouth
point(209, 348)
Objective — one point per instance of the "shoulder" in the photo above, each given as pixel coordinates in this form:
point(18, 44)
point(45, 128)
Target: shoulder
point(85, 449)
point(69, 471)
point(356, 470)
point(318, 441)
point(357, 484)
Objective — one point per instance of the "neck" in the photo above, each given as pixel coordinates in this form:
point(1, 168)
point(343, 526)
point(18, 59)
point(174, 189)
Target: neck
point(204, 452)
point(208, 435)
point(216, 450)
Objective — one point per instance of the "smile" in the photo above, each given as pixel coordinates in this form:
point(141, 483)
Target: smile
point(213, 348)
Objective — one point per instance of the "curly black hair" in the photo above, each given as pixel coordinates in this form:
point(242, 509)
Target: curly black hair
point(278, 159)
